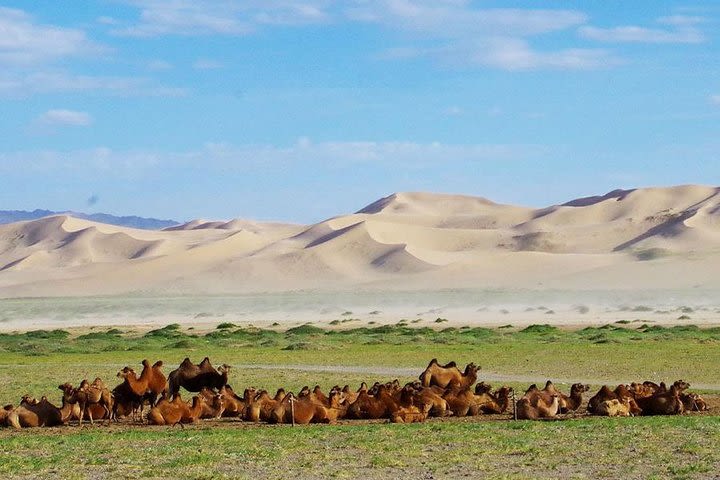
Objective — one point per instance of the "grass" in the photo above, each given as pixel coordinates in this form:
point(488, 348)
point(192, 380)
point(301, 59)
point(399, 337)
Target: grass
point(680, 447)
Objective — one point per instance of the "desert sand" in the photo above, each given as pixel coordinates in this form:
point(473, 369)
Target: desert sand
point(656, 246)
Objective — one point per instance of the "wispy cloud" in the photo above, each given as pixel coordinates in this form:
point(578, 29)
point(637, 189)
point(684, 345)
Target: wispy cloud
point(207, 64)
point(25, 42)
point(454, 18)
point(684, 30)
point(65, 118)
point(221, 157)
point(22, 84)
point(225, 17)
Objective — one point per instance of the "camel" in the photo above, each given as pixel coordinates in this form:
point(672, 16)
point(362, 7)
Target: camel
point(664, 403)
point(88, 394)
point(492, 403)
point(438, 405)
point(299, 410)
point(445, 375)
point(692, 402)
point(151, 384)
point(35, 414)
point(461, 401)
point(234, 405)
point(176, 411)
point(261, 407)
point(410, 407)
point(126, 401)
point(572, 402)
point(527, 411)
point(621, 393)
point(368, 406)
point(194, 377)
point(614, 408)
point(5, 413)
point(214, 405)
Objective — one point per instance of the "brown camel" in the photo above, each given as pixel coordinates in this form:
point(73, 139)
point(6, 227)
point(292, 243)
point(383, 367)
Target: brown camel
point(214, 404)
point(175, 412)
point(492, 402)
point(300, 410)
point(527, 411)
point(234, 405)
point(692, 402)
point(614, 408)
point(444, 375)
point(572, 402)
point(410, 407)
point(35, 414)
point(261, 407)
point(194, 377)
point(663, 403)
point(368, 406)
point(88, 394)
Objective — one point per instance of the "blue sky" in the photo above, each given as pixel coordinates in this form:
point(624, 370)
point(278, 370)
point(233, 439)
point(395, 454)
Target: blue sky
point(302, 109)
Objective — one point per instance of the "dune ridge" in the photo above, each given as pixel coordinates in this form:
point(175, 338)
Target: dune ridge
point(650, 237)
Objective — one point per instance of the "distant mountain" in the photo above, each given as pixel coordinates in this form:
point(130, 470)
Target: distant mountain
point(132, 221)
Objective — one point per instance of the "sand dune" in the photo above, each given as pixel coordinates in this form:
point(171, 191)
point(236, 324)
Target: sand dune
point(649, 238)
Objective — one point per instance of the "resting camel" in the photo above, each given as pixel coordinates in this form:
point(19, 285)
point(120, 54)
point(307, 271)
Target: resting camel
point(572, 402)
point(410, 407)
point(527, 411)
point(492, 403)
point(461, 402)
point(234, 405)
point(368, 406)
point(614, 408)
point(438, 405)
point(194, 377)
point(692, 402)
point(621, 393)
point(664, 403)
point(445, 375)
point(301, 410)
point(260, 407)
point(35, 414)
point(214, 404)
point(4, 413)
point(176, 411)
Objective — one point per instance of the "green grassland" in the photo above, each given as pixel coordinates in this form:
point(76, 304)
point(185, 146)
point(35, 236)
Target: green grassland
point(684, 447)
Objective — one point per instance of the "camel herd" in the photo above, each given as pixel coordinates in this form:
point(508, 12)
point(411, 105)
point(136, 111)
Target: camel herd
point(442, 390)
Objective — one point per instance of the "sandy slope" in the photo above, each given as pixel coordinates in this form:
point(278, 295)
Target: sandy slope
point(645, 238)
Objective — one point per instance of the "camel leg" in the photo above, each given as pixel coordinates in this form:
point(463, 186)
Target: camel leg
point(82, 414)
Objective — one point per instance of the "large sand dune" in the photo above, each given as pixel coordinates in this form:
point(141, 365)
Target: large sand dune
point(634, 239)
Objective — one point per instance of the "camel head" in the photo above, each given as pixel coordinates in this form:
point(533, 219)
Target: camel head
point(681, 385)
point(29, 400)
point(482, 387)
point(125, 372)
point(579, 388)
point(223, 369)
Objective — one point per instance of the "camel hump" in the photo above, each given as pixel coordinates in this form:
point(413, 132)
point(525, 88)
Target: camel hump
point(145, 363)
point(158, 364)
point(433, 362)
point(450, 365)
point(186, 363)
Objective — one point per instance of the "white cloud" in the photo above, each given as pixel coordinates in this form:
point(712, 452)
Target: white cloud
point(65, 118)
point(684, 31)
point(225, 17)
point(453, 18)
point(207, 64)
point(159, 65)
point(24, 42)
point(223, 157)
point(21, 84)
